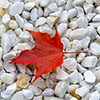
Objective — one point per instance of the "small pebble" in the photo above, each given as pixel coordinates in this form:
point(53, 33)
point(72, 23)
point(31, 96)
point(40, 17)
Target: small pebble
point(82, 91)
point(19, 20)
point(40, 12)
point(48, 92)
point(28, 6)
point(61, 89)
point(35, 89)
point(49, 83)
point(89, 61)
point(96, 18)
point(13, 24)
point(9, 67)
point(33, 15)
point(4, 3)
point(52, 7)
point(18, 96)
point(89, 77)
point(86, 97)
point(97, 87)
point(28, 26)
point(80, 57)
point(94, 96)
point(5, 18)
point(89, 16)
point(70, 64)
point(40, 21)
point(23, 82)
point(7, 78)
point(14, 8)
point(71, 13)
point(71, 88)
point(60, 2)
point(57, 14)
point(97, 75)
point(44, 3)
point(73, 25)
point(11, 89)
point(77, 2)
point(27, 93)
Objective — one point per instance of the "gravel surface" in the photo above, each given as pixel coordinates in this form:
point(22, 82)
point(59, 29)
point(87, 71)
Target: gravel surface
point(78, 23)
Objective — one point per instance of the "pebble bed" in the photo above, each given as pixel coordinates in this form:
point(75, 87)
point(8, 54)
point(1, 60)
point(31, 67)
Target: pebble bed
point(78, 23)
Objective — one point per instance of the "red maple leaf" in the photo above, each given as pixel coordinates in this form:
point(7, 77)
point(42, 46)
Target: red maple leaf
point(47, 53)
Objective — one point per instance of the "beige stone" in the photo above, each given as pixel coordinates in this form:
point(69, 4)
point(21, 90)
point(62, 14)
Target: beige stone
point(23, 81)
point(2, 12)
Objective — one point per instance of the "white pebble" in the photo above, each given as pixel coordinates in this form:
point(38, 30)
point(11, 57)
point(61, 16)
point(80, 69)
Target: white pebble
point(61, 28)
point(95, 48)
point(89, 77)
point(60, 2)
point(20, 20)
point(80, 11)
point(61, 89)
point(25, 36)
point(27, 93)
point(37, 98)
point(49, 83)
point(21, 68)
point(40, 21)
point(82, 22)
point(62, 75)
point(33, 16)
point(4, 3)
point(73, 77)
point(86, 97)
point(82, 91)
point(13, 24)
point(63, 17)
point(81, 69)
point(72, 13)
point(40, 12)
point(97, 75)
point(57, 14)
point(71, 88)
point(7, 78)
point(97, 87)
point(11, 89)
point(70, 64)
point(98, 9)
point(80, 57)
point(9, 67)
point(44, 3)
point(85, 42)
point(94, 96)
point(16, 8)
point(77, 2)
point(4, 95)
point(28, 6)
point(98, 29)
point(46, 11)
point(21, 46)
point(18, 96)
point(78, 34)
point(5, 18)
point(89, 61)
point(18, 31)
point(73, 25)
point(5, 43)
point(45, 29)
point(69, 4)
point(52, 7)
point(26, 14)
point(48, 92)
point(28, 26)
point(89, 16)
point(40, 83)
point(35, 90)
point(91, 32)
point(28, 71)
point(9, 56)
point(88, 7)
point(96, 18)
point(89, 1)
point(2, 29)
point(94, 24)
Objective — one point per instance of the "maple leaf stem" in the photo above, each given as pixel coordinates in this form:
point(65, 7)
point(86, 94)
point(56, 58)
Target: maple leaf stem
point(75, 52)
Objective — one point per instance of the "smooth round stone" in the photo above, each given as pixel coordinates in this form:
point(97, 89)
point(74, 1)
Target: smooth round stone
point(89, 61)
point(16, 8)
point(89, 77)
